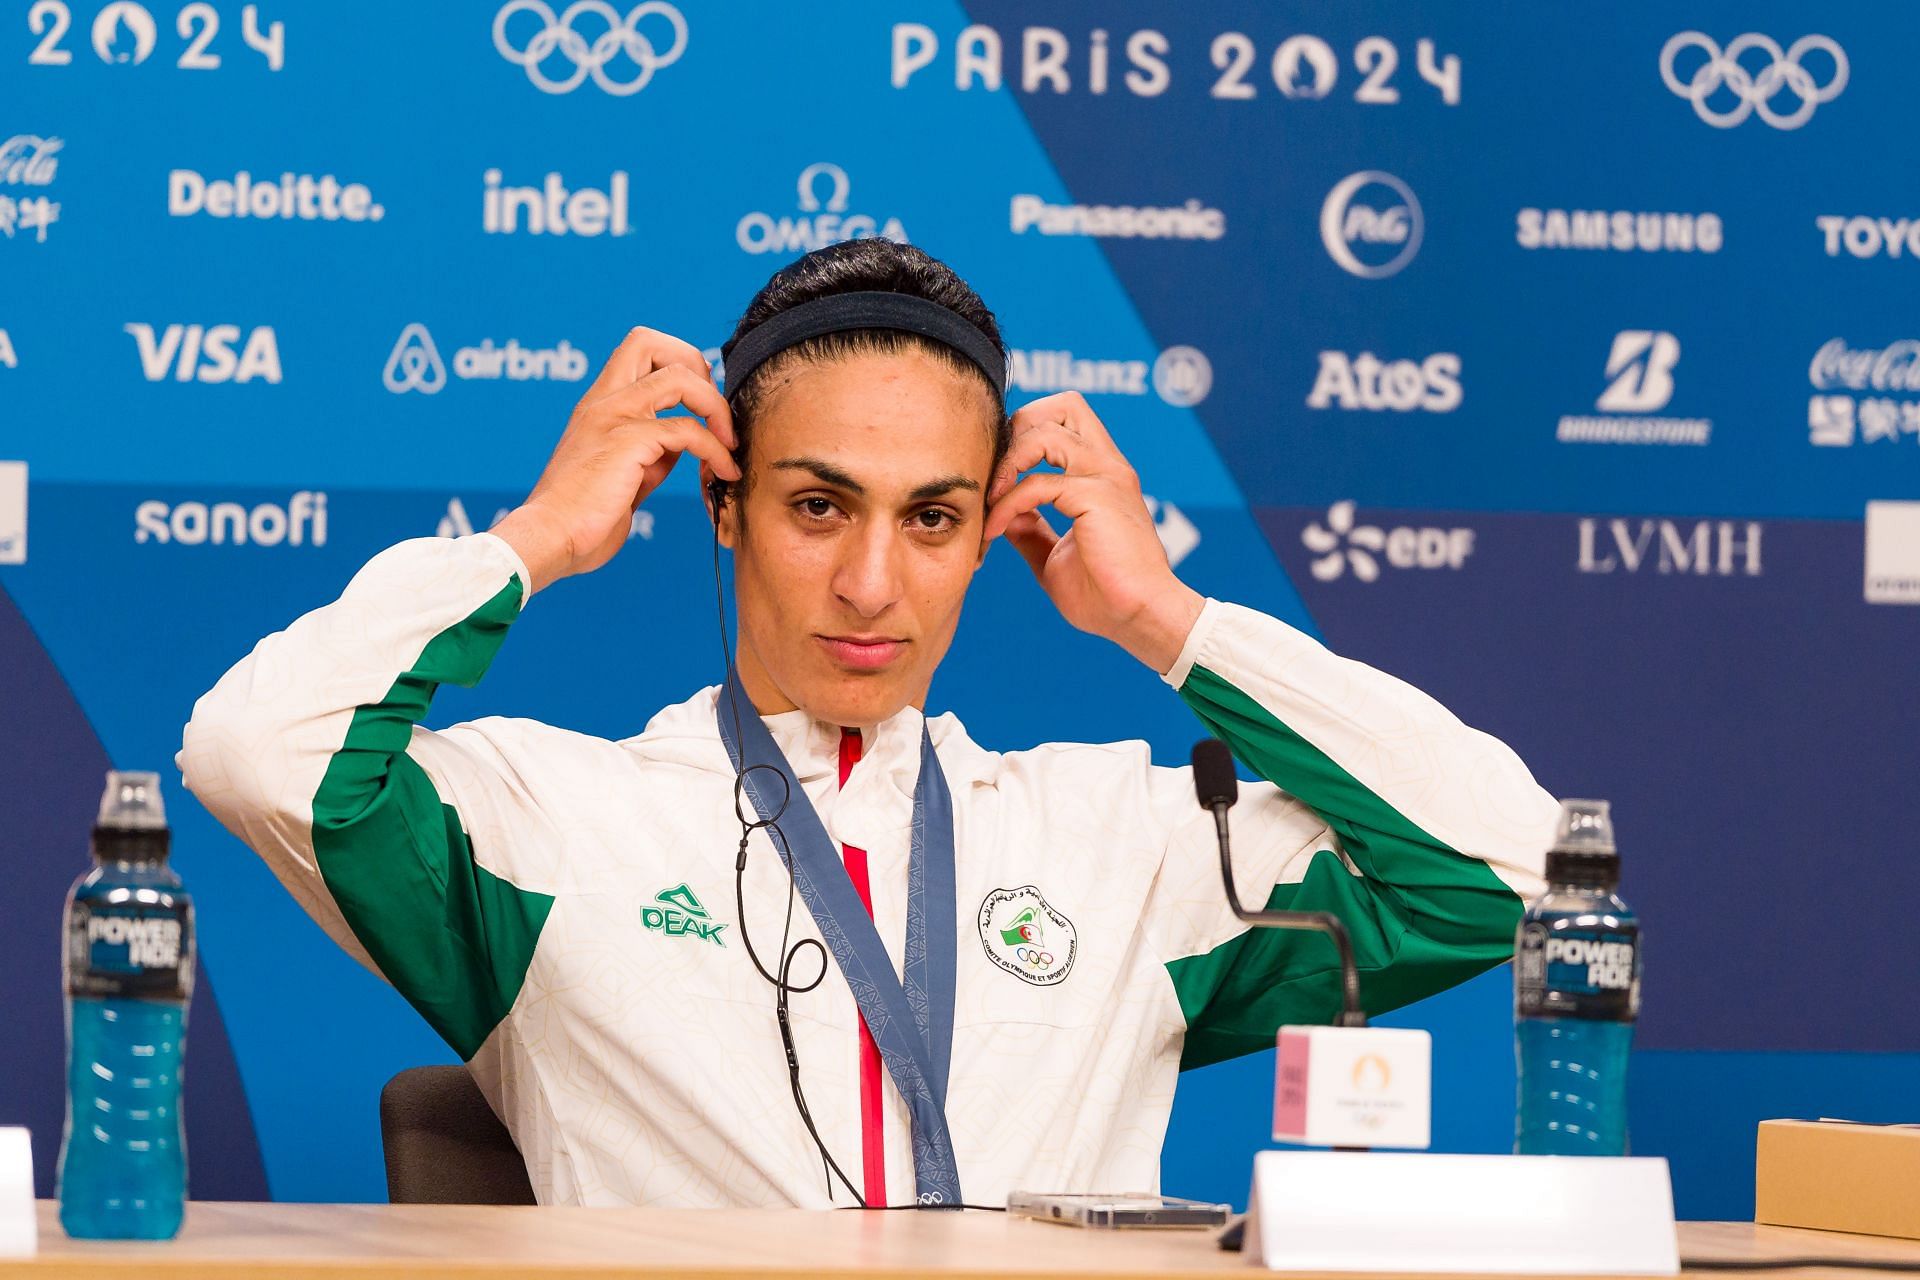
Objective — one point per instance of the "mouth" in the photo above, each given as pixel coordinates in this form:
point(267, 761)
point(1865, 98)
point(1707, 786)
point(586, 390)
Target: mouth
point(862, 653)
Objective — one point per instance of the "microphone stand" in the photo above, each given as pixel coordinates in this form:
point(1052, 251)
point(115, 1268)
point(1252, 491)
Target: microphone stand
point(1218, 788)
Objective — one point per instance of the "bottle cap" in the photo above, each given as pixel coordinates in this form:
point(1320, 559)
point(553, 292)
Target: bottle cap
point(132, 826)
point(1583, 851)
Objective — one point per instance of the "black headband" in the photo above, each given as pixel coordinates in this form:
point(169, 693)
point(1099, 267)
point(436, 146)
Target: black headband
point(839, 312)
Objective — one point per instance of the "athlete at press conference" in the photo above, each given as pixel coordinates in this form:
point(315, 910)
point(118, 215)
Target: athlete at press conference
point(999, 961)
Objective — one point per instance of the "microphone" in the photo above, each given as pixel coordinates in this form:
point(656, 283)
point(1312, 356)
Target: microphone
point(1217, 787)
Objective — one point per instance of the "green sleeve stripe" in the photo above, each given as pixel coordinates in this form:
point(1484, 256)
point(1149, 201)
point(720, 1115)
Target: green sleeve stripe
point(1423, 917)
point(454, 939)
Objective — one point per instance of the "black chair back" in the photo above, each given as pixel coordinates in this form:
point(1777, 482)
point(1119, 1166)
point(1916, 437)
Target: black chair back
point(443, 1143)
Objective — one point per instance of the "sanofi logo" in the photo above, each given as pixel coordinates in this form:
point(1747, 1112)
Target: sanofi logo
point(302, 521)
point(1371, 224)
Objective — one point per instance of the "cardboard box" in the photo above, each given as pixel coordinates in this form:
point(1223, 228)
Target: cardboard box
point(1834, 1176)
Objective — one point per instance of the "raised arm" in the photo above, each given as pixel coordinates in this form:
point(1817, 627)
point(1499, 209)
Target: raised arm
point(432, 856)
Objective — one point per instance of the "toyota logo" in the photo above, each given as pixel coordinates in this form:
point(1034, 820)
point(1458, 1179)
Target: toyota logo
point(1755, 90)
point(557, 36)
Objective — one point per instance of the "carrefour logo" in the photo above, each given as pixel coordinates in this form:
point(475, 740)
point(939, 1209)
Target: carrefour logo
point(1371, 224)
point(821, 219)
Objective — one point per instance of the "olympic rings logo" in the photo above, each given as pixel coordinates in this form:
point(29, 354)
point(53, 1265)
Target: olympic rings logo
point(1756, 90)
point(1034, 956)
point(557, 34)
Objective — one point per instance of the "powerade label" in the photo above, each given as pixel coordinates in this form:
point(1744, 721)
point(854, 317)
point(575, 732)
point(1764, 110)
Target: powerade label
point(140, 951)
point(1577, 972)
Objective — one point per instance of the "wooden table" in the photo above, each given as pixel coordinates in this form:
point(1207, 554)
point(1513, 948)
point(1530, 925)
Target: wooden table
point(420, 1242)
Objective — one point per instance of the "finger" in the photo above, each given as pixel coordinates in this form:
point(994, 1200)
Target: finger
point(1050, 442)
point(669, 387)
point(1033, 538)
point(641, 352)
point(684, 435)
point(1067, 494)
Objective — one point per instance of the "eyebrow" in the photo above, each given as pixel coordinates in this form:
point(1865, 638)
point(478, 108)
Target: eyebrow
point(827, 473)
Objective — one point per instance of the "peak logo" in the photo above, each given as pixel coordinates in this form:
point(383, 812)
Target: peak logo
point(1367, 382)
point(1342, 546)
point(301, 522)
point(1371, 224)
point(1181, 376)
point(821, 222)
point(293, 195)
point(13, 513)
point(1639, 380)
point(414, 364)
point(553, 210)
point(1719, 547)
point(205, 353)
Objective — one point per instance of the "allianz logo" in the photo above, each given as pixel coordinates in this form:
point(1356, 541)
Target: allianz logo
point(206, 353)
point(820, 222)
point(415, 363)
point(1367, 382)
point(1343, 546)
point(291, 195)
point(1721, 548)
point(1181, 376)
point(552, 209)
point(302, 521)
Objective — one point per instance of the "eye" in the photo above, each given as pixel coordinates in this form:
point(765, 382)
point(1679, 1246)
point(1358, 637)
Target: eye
point(817, 507)
point(933, 520)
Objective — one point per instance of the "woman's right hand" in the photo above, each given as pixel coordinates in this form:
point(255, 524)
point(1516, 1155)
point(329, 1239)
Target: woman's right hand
point(615, 451)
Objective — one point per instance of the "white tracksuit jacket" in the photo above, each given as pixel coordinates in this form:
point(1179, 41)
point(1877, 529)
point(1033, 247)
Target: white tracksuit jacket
point(561, 907)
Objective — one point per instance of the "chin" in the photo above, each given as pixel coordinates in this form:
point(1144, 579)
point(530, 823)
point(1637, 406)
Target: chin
point(856, 700)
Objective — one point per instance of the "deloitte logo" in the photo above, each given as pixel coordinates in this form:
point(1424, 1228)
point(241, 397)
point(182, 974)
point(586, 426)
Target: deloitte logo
point(292, 195)
point(415, 363)
point(1371, 224)
point(1181, 376)
point(820, 223)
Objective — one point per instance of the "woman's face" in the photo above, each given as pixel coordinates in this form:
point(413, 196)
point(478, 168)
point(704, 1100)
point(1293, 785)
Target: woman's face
point(864, 504)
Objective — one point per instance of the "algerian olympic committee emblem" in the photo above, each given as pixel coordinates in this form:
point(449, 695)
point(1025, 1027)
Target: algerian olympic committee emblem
point(1027, 937)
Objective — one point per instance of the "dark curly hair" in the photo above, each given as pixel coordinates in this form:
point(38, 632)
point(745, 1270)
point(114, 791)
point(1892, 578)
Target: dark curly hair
point(857, 266)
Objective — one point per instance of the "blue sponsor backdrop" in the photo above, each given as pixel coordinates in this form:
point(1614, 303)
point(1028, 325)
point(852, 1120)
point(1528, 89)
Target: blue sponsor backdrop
point(1563, 363)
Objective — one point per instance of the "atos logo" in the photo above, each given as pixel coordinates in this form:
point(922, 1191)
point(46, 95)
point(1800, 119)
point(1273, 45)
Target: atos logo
point(1371, 224)
point(1367, 382)
point(820, 222)
point(205, 353)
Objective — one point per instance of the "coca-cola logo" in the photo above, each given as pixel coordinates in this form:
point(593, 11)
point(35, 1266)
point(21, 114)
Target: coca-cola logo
point(1894, 367)
point(28, 160)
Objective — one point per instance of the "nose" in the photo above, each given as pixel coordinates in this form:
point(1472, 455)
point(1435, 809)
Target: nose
point(868, 577)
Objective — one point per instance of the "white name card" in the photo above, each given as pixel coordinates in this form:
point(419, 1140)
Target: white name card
point(1412, 1212)
point(18, 1236)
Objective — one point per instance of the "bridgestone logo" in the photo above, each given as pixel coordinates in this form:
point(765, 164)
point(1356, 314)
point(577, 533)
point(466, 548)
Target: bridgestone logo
point(1575, 430)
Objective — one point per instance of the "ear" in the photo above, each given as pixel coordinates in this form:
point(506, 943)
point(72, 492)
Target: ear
point(722, 503)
